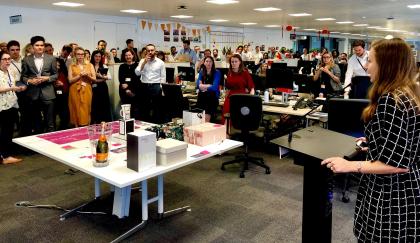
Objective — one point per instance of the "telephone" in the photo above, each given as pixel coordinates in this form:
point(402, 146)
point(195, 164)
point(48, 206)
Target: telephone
point(302, 103)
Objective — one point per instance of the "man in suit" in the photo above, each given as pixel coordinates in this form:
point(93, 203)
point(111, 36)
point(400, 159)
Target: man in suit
point(130, 45)
point(39, 72)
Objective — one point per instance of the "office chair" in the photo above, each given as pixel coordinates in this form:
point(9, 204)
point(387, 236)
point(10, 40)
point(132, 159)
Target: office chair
point(245, 115)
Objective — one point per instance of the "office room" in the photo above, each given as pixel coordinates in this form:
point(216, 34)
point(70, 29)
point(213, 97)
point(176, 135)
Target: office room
point(209, 121)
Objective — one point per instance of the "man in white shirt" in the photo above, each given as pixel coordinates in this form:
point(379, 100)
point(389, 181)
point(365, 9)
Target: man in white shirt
point(153, 74)
point(356, 66)
point(246, 54)
point(258, 55)
point(172, 55)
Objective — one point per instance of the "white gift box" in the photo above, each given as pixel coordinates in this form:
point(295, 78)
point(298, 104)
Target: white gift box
point(170, 151)
point(141, 150)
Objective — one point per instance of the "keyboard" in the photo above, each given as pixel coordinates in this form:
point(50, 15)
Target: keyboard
point(276, 104)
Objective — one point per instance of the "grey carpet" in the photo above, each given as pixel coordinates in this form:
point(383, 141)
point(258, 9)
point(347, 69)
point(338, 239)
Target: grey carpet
point(225, 208)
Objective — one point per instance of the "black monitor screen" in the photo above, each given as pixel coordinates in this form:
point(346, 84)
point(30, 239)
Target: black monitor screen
point(279, 78)
point(304, 82)
point(259, 82)
point(170, 75)
point(224, 72)
point(186, 73)
point(307, 66)
point(279, 65)
point(345, 116)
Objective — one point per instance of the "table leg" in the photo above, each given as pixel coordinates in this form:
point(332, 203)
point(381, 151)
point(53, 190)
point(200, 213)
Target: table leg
point(121, 205)
point(161, 213)
point(97, 188)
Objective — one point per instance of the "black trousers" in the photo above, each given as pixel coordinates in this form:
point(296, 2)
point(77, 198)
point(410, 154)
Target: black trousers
point(7, 123)
point(39, 117)
point(150, 97)
point(61, 108)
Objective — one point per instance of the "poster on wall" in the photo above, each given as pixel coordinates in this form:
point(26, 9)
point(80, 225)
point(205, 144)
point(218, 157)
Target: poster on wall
point(166, 36)
point(175, 34)
point(183, 35)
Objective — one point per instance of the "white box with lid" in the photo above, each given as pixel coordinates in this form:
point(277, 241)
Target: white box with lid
point(170, 151)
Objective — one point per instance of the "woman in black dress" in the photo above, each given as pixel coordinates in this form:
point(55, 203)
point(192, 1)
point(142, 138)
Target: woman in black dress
point(388, 200)
point(208, 86)
point(129, 82)
point(101, 107)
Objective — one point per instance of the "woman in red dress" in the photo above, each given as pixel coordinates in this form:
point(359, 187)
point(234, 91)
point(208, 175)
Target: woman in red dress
point(238, 81)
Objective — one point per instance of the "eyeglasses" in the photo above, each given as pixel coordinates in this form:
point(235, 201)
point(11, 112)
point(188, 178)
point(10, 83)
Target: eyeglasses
point(326, 57)
point(6, 59)
point(80, 54)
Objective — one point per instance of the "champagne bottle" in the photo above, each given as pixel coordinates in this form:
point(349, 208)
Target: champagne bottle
point(102, 146)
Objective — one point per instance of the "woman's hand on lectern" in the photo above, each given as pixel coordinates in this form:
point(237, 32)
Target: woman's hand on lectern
point(339, 165)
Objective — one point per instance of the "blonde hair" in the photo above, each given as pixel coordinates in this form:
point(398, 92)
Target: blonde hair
point(396, 71)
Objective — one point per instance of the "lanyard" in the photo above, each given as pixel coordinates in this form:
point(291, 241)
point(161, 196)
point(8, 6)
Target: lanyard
point(10, 79)
point(16, 67)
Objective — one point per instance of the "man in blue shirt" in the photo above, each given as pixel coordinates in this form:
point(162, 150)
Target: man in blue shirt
point(187, 51)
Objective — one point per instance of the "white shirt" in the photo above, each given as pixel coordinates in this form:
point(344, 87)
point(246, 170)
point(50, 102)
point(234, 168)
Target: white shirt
point(153, 71)
point(39, 63)
point(171, 58)
point(257, 57)
point(247, 56)
point(15, 69)
point(7, 99)
point(355, 69)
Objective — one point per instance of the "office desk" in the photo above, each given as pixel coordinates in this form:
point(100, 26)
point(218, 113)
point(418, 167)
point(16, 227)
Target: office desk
point(71, 147)
point(286, 110)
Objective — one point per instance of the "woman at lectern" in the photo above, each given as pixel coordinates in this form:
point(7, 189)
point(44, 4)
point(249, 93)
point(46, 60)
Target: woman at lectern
point(238, 81)
point(208, 86)
point(388, 200)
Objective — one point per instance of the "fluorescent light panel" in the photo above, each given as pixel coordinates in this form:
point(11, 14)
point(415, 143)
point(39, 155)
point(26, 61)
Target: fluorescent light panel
point(373, 27)
point(68, 4)
point(133, 11)
point(334, 32)
point(300, 14)
point(218, 20)
point(413, 6)
point(309, 29)
point(222, 2)
point(325, 19)
point(345, 22)
point(360, 25)
point(248, 23)
point(268, 9)
point(272, 26)
point(181, 16)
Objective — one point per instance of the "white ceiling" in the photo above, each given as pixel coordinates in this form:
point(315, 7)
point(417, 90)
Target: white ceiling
point(371, 12)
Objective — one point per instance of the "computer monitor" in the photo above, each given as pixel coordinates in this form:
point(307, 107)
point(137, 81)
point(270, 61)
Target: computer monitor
point(278, 65)
point(186, 73)
point(304, 82)
point(224, 72)
point(279, 78)
point(345, 116)
point(307, 66)
point(170, 73)
point(173, 100)
point(250, 65)
point(259, 82)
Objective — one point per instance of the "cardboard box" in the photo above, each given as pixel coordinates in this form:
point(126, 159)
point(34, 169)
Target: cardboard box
point(141, 150)
point(204, 134)
point(170, 151)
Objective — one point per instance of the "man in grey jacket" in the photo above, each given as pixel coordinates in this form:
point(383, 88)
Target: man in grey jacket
point(39, 72)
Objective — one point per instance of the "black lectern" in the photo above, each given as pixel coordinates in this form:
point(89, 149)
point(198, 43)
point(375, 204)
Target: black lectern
point(310, 146)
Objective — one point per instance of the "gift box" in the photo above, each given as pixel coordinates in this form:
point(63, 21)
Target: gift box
point(204, 134)
point(168, 130)
point(141, 150)
point(170, 151)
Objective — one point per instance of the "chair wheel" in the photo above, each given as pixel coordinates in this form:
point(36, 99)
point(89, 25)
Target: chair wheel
point(345, 199)
point(222, 167)
point(241, 175)
point(268, 171)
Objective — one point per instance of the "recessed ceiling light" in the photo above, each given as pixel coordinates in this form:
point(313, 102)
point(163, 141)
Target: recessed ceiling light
point(346, 33)
point(413, 6)
point(218, 20)
point(388, 37)
point(133, 11)
point(382, 28)
point(68, 4)
point(221, 2)
point(309, 29)
point(181, 16)
point(360, 25)
point(325, 19)
point(334, 32)
point(300, 14)
point(272, 26)
point(268, 9)
point(345, 22)
point(373, 27)
point(250, 23)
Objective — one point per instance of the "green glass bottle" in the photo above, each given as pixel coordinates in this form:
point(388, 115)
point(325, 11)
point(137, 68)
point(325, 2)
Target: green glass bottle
point(102, 148)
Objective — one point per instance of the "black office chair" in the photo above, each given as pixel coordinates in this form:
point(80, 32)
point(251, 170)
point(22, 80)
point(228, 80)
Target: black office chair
point(245, 115)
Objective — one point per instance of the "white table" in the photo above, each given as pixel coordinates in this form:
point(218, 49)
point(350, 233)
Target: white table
point(116, 173)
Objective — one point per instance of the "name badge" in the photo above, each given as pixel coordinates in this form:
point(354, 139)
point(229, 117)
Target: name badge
point(127, 79)
point(94, 85)
point(59, 92)
point(322, 86)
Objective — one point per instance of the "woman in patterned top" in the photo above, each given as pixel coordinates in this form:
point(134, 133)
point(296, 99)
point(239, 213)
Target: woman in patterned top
point(388, 201)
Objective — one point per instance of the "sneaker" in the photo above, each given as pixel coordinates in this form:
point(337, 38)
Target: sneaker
point(11, 160)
